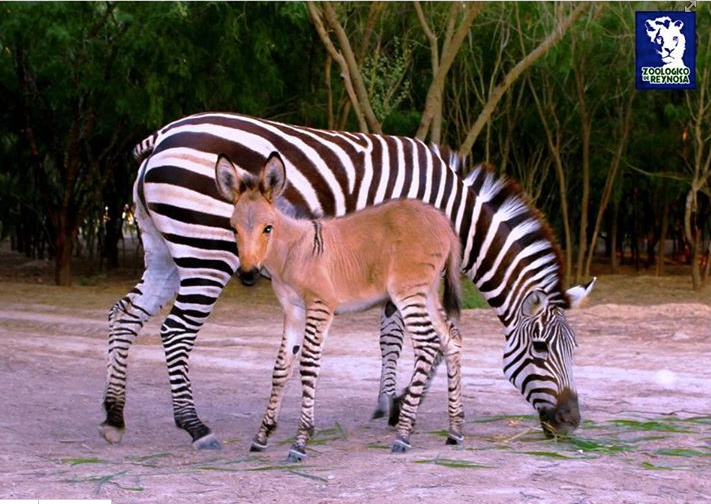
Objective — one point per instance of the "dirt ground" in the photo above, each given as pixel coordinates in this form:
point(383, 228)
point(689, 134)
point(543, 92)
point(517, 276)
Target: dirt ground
point(642, 371)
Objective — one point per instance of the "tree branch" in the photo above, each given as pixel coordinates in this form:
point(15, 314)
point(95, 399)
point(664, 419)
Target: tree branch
point(516, 71)
point(449, 52)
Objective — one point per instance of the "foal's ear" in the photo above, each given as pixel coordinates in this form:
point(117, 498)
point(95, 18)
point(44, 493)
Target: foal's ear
point(272, 180)
point(231, 180)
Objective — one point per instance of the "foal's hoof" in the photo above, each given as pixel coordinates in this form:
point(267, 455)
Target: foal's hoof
point(395, 407)
point(208, 442)
point(256, 446)
point(296, 455)
point(110, 433)
point(454, 439)
point(400, 446)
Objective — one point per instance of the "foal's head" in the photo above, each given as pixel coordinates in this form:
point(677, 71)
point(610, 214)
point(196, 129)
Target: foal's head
point(255, 215)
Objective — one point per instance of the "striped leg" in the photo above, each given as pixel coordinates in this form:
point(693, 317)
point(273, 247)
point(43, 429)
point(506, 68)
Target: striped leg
point(396, 404)
point(178, 334)
point(318, 319)
point(156, 288)
point(426, 342)
point(391, 338)
point(451, 348)
point(288, 350)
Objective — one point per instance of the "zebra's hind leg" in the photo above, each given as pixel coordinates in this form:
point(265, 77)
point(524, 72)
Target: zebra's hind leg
point(391, 337)
point(178, 333)
point(156, 288)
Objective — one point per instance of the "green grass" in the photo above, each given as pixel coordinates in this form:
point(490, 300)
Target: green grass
point(454, 463)
point(471, 298)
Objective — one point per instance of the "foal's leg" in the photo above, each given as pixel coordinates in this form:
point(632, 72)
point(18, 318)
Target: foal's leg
point(450, 347)
point(392, 333)
point(396, 405)
point(318, 319)
point(290, 347)
point(413, 307)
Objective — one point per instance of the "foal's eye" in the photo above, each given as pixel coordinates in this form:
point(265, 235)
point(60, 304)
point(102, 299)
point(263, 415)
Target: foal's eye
point(268, 229)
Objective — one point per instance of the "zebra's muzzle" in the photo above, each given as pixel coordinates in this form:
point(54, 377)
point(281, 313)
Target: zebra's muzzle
point(564, 418)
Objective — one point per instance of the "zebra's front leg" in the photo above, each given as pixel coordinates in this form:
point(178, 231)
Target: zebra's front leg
point(426, 344)
point(318, 319)
point(178, 335)
point(391, 338)
point(288, 350)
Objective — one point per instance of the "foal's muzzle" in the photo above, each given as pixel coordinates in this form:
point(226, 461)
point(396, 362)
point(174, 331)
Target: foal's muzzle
point(248, 277)
point(564, 418)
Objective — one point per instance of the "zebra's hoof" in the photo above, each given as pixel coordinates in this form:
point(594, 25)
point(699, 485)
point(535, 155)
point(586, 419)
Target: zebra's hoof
point(383, 408)
point(296, 455)
point(208, 442)
point(256, 446)
point(454, 439)
point(400, 446)
point(111, 434)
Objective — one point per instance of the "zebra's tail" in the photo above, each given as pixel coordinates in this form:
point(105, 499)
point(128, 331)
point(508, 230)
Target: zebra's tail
point(452, 298)
point(143, 149)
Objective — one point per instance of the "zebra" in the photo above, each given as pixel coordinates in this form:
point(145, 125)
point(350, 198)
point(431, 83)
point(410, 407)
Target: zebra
point(190, 252)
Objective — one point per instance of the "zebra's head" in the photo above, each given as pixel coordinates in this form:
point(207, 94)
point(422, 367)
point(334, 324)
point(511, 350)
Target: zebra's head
point(538, 358)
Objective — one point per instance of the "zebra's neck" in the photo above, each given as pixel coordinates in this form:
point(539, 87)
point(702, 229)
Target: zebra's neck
point(512, 251)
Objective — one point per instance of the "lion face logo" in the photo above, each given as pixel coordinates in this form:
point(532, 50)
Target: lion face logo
point(668, 40)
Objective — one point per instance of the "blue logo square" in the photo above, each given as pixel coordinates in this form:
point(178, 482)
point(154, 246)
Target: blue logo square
point(665, 50)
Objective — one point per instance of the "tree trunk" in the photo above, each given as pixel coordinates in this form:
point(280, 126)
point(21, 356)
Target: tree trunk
point(586, 125)
point(614, 261)
point(63, 262)
point(663, 238)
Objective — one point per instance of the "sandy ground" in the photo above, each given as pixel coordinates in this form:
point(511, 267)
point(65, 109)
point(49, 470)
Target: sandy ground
point(642, 372)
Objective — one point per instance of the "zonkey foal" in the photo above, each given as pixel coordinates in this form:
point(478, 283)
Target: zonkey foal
point(396, 250)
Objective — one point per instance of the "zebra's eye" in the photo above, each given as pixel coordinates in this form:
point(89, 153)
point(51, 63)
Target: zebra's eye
point(540, 348)
point(268, 229)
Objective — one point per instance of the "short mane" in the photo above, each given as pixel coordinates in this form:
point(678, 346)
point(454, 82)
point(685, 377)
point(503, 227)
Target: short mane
point(502, 189)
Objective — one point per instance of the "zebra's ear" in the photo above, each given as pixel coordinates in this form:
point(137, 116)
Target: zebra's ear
point(272, 180)
point(229, 178)
point(534, 303)
point(579, 293)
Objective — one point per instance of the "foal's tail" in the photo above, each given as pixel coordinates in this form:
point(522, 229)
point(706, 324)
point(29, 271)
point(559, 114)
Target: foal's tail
point(452, 299)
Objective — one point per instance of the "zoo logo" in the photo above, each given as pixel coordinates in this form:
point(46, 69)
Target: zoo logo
point(665, 44)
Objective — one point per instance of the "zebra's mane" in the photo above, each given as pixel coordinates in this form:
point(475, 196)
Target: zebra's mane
point(503, 193)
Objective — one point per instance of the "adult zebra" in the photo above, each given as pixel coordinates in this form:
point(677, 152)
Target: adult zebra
point(190, 247)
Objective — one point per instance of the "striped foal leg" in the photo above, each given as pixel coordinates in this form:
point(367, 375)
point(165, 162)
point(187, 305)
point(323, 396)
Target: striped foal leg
point(451, 348)
point(157, 287)
point(318, 319)
point(288, 350)
point(391, 337)
point(178, 335)
point(413, 307)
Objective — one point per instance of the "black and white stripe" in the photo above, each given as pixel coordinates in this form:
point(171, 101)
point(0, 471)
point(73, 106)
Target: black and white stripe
point(507, 250)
